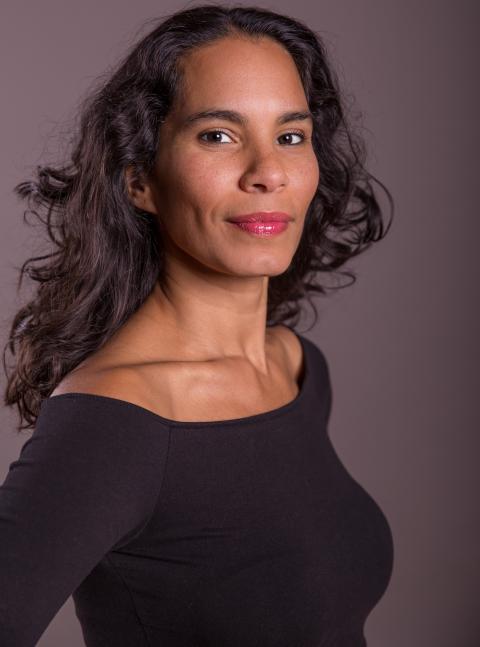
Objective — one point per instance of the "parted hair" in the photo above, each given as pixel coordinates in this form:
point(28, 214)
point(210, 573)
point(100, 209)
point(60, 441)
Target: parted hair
point(105, 254)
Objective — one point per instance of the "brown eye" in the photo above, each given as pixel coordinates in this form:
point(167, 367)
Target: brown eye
point(297, 134)
point(218, 133)
point(215, 137)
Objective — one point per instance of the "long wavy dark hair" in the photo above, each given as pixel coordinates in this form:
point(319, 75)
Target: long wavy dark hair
point(107, 255)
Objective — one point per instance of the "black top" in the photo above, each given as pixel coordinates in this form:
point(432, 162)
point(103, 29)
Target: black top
point(233, 533)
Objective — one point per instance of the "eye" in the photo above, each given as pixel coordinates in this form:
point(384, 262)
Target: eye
point(212, 132)
point(300, 134)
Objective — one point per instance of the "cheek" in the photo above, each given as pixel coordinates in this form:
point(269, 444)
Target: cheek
point(191, 191)
point(308, 176)
point(198, 180)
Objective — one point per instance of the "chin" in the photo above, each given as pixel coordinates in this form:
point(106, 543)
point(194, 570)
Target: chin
point(270, 267)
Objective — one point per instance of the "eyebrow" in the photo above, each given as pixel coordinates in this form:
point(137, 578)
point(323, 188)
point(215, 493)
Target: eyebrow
point(242, 120)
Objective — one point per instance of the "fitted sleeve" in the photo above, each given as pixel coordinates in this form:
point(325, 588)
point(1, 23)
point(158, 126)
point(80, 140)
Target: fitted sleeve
point(87, 480)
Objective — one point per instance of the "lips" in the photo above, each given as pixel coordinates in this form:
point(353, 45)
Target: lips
point(262, 216)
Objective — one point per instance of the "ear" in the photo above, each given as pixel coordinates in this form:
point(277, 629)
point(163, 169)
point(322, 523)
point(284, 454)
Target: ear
point(139, 191)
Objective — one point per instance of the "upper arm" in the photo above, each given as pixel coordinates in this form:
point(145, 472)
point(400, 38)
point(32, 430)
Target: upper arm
point(85, 481)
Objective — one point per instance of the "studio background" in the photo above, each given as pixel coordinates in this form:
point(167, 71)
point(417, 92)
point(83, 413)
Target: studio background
point(402, 342)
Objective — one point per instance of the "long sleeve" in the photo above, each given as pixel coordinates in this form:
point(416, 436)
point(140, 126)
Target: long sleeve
point(86, 481)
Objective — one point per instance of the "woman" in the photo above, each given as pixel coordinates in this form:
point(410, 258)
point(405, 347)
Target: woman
point(180, 481)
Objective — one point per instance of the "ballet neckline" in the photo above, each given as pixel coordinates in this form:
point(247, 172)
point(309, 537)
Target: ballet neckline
point(245, 420)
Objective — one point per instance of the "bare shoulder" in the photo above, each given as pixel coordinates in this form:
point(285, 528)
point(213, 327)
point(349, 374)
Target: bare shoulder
point(115, 382)
point(185, 390)
point(292, 348)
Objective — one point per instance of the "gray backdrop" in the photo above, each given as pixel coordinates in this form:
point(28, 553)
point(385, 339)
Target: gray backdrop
point(402, 343)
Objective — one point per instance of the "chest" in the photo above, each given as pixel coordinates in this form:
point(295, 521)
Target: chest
point(260, 537)
point(221, 391)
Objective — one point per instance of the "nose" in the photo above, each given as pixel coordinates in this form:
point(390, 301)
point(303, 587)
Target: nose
point(264, 172)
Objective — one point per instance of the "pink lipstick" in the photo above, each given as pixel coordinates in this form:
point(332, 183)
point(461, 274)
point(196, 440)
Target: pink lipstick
point(262, 223)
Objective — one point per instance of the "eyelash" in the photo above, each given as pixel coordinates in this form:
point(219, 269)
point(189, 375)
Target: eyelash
point(216, 130)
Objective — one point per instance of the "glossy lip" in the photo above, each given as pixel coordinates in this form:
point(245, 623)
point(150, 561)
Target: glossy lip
point(262, 216)
point(262, 229)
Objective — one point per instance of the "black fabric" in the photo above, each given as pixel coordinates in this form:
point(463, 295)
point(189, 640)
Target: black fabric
point(239, 533)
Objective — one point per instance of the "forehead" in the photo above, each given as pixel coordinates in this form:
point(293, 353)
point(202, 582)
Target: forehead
point(243, 74)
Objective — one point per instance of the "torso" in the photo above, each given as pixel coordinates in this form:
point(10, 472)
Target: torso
point(204, 391)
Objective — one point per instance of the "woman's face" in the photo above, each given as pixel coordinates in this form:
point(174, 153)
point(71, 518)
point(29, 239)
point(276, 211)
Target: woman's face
point(201, 178)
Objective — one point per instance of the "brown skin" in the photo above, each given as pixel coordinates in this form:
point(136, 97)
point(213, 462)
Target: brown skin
point(208, 329)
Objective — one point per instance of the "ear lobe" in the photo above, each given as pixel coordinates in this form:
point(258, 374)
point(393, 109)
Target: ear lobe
point(139, 191)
